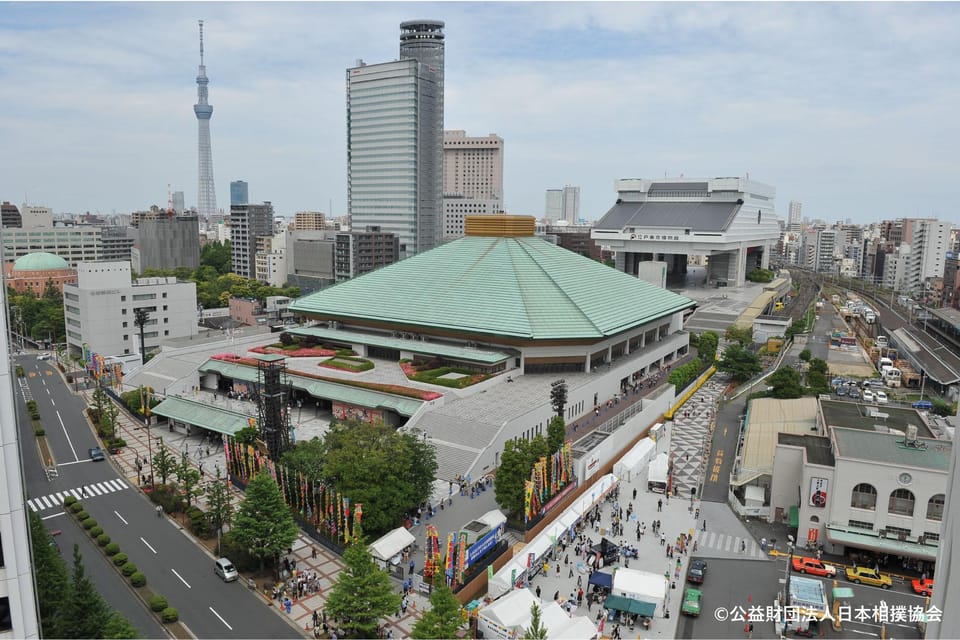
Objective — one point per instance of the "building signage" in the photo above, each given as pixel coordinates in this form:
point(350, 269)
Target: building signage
point(818, 492)
point(560, 496)
point(484, 544)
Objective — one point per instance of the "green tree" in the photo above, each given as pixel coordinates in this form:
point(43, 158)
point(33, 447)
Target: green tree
point(558, 396)
point(797, 326)
point(219, 503)
point(141, 318)
point(306, 457)
point(385, 471)
point(817, 382)
point(83, 613)
point(263, 523)
point(820, 366)
point(362, 594)
point(443, 619)
point(516, 462)
point(217, 255)
point(805, 355)
point(191, 486)
point(741, 335)
point(707, 346)
point(164, 463)
point(536, 630)
point(556, 433)
point(119, 628)
point(786, 383)
point(739, 362)
point(50, 572)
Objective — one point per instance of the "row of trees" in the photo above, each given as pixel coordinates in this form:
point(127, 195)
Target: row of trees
point(69, 604)
point(39, 317)
point(517, 460)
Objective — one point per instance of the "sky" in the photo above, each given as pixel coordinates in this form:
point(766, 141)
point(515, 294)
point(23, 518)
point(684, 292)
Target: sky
point(849, 108)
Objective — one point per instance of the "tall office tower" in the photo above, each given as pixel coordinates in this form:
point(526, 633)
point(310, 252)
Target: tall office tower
point(472, 179)
point(247, 223)
point(563, 204)
point(795, 219)
point(18, 606)
point(206, 194)
point(239, 192)
point(395, 140)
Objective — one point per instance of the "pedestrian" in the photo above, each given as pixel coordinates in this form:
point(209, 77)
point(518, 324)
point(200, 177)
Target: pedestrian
point(749, 630)
point(704, 528)
point(634, 493)
point(743, 546)
point(412, 566)
point(558, 568)
point(314, 553)
point(159, 510)
point(537, 591)
point(660, 504)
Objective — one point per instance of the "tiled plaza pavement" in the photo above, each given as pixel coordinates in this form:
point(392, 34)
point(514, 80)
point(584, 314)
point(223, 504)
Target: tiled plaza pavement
point(692, 427)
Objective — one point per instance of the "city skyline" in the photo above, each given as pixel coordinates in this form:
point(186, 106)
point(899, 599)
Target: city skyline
point(854, 126)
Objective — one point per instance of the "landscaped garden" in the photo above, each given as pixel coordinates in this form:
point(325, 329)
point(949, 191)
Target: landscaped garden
point(347, 363)
point(435, 372)
point(303, 347)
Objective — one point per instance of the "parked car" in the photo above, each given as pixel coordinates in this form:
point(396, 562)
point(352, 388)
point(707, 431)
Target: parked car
point(868, 396)
point(43, 356)
point(96, 454)
point(866, 575)
point(922, 405)
point(872, 383)
point(225, 569)
point(814, 567)
point(842, 390)
point(697, 571)
point(837, 382)
point(923, 586)
point(881, 397)
point(853, 394)
point(692, 600)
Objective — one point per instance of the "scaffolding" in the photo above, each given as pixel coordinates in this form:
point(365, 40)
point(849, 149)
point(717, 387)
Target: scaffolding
point(273, 404)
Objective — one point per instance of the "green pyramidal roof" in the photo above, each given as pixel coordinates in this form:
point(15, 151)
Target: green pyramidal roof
point(522, 287)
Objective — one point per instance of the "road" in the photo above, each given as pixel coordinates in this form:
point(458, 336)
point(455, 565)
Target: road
point(174, 565)
point(740, 584)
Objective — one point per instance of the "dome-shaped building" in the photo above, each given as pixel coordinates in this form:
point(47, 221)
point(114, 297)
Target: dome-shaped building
point(34, 270)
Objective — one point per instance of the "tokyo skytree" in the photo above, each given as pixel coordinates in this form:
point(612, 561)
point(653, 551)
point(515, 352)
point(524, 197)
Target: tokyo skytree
point(206, 194)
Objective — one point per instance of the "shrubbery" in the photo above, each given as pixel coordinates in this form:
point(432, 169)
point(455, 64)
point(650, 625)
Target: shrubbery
point(69, 501)
point(682, 375)
point(96, 531)
point(199, 523)
point(128, 569)
point(120, 559)
point(169, 615)
point(89, 523)
point(112, 549)
point(158, 603)
point(138, 579)
point(77, 508)
point(103, 540)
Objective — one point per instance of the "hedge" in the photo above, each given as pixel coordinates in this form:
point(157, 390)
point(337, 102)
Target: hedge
point(112, 549)
point(128, 569)
point(77, 508)
point(89, 523)
point(120, 559)
point(138, 579)
point(96, 531)
point(103, 540)
point(69, 501)
point(158, 603)
point(169, 615)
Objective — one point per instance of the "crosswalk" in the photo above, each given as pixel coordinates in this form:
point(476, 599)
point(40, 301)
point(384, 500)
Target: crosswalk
point(727, 543)
point(85, 492)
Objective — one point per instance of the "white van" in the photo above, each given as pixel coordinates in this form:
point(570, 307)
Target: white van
point(225, 569)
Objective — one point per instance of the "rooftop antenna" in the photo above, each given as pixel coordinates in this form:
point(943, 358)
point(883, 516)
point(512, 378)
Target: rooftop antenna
point(201, 41)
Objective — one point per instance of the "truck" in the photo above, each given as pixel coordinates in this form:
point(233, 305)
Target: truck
point(908, 375)
point(892, 377)
point(869, 316)
point(657, 473)
point(881, 342)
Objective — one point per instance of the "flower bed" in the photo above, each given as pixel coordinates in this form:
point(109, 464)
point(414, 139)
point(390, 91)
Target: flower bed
point(408, 392)
point(432, 376)
point(356, 365)
point(301, 352)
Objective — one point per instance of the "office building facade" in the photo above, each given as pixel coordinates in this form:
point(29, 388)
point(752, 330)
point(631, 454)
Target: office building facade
point(239, 193)
point(360, 252)
point(309, 221)
point(73, 244)
point(247, 223)
point(563, 205)
point(395, 140)
point(472, 179)
point(168, 243)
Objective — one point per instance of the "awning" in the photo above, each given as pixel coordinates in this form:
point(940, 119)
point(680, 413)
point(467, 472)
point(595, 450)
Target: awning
point(601, 579)
point(891, 545)
point(629, 605)
point(794, 517)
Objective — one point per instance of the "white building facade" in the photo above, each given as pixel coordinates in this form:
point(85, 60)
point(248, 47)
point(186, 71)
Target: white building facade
point(99, 309)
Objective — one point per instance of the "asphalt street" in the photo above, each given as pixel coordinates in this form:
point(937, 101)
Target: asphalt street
point(174, 565)
point(734, 586)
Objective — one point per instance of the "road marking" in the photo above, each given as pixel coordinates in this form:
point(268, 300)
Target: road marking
point(89, 491)
point(121, 517)
point(724, 431)
point(56, 515)
point(116, 484)
point(65, 464)
point(69, 441)
point(221, 619)
point(181, 578)
point(95, 490)
point(51, 399)
point(48, 389)
point(148, 544)
point(866, 633)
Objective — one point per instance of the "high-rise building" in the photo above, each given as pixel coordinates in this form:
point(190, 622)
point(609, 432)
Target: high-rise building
point(395, 140)
point(795, 219)
point(10, 217)
point(472, 179)
point(206, 194)
point(178, 202)
point(168, 243)
point(239, 192)
point(247, 223)
point(18, 603)
point(360, 252)
point(563, 204)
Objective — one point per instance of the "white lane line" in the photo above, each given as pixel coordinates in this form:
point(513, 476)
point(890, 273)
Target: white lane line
point(52, 401)
point(74, 493)
point(117, 484)
point(46, 503)
point(32, 506)
point(66, 464)
point(121, 517)
point(181, 578)
point(866, 633)
point(95, 490)
point(56, 515)
point(69, 441)
point(148, 545)
point(59, 497)
point(221, 619)
point(48, 390)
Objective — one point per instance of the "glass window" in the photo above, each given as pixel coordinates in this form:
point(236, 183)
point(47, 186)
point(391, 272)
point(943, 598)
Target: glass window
point(901, 502)
point(935, 507)
point(864, 497)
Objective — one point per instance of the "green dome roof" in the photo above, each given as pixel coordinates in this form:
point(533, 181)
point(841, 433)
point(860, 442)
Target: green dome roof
point(40, 261)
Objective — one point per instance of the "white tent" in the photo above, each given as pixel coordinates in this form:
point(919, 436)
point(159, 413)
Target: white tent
point(640, 585)
point(657, 473)
point(493, 518)
point(578, 628)
point(633, 462)
point(501, 617)
point(390, 545)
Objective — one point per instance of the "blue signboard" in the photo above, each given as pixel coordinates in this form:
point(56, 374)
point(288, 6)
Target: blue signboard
point(484, 544)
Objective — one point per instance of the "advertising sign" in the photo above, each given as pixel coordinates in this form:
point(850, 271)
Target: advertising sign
point(484, 544)
point(818, 492)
